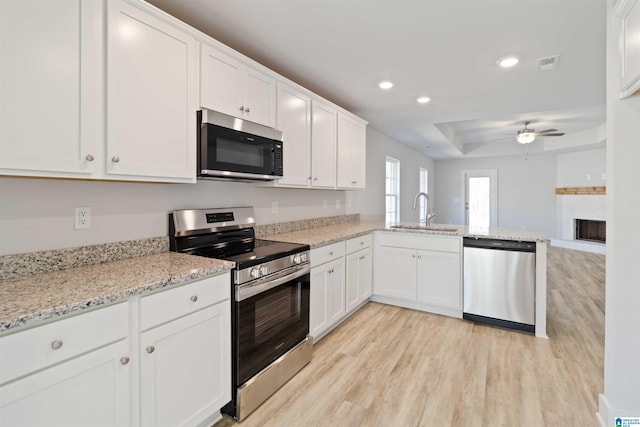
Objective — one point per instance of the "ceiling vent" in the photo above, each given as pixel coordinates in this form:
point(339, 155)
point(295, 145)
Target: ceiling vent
point(548, 63)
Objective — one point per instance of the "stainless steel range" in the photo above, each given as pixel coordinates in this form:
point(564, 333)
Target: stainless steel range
point(270, 308)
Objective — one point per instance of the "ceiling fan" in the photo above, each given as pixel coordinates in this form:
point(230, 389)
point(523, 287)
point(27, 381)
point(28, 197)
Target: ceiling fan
point(528, 135)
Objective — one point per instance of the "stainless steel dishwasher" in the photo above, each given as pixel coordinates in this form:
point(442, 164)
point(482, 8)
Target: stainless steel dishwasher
point(499, 282)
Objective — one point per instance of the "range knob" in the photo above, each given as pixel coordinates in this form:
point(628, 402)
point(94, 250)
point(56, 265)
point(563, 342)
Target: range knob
point(263, 270)
point(254, 272)
point(297, 259)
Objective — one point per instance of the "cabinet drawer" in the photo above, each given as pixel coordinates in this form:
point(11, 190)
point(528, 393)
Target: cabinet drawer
point(424, 241)
point(358, 243)
point(327, 253)
point(168, 305)
point(42, 346)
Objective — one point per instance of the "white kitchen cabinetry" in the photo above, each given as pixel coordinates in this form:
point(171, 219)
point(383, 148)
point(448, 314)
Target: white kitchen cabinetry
point(232, 87)
point(419, 271)
point(627, 13)
point(352, 143)
point(294, 120)
point(358, 276)
point(327, 306)
point(323, 145)
point(151, 97)
point(50, 87)
point(73, 372)
point(185, 355)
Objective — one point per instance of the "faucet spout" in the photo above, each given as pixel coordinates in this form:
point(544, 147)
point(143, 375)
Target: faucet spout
point(427, 215)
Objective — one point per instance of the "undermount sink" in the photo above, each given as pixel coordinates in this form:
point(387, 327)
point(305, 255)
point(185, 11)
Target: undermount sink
point(425, 228)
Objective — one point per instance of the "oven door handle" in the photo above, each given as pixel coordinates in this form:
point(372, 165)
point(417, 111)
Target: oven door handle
point(247, 291)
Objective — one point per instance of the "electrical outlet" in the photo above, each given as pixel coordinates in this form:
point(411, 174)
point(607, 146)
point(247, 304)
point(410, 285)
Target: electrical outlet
point(337, 203)
point(326, 205)
point(83, 218)
point(274, 207)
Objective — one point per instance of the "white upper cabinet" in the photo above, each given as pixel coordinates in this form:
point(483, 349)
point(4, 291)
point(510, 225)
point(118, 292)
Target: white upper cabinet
point(351, 152)
point(294, 120)
point(151, 97)
point(232, 87)
point(628, 14)
point(50, 80)
point(323, 145)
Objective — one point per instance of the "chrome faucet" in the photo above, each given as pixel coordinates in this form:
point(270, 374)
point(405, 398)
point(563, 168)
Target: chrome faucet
point(426, 207)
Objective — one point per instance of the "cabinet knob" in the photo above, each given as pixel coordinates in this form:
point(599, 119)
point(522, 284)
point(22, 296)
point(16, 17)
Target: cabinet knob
point(361, 258)
point(354, 182)
point(242, 108)
point(246, 110)
point(124, 360)
point(56, 344)
point(194, 298)
point(309, 178)
point(89, 157)
point(115, 159)
point(330, 253)
point(413, 256)
point(361, 243)
point(151, 349)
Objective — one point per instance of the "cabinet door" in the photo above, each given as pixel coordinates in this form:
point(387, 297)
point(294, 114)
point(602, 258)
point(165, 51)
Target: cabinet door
point(398, 273)
point(628, 14)
point(259, 98)
point(336, 290)
point(50, 80)
point(318, 311)
point(323, 145)
point(186, 368)
point(221, 80)
point(92, 389)
point(151, 77)
point(351, 152)
point(294, 120)
point(439, 279)
point(358, 278)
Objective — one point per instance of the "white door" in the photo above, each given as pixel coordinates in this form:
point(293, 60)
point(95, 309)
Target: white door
point(259, 98)
point(323, 145)
point(335, 290)
point(318, 312)
point(50, 80)
point(151, 83)
point(92, 389)
point(294, 120)
point(221, 82)
point(185, 368)
point(481, 198)
point(439, 279)
point(398, 278)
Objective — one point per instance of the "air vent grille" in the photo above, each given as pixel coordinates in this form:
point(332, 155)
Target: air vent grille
point(548, 63)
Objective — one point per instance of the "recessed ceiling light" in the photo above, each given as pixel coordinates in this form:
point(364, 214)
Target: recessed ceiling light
point(386, 84)
point(508, 62)
point(423, 99)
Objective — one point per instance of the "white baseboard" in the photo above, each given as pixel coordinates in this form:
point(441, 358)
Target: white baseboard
point(594, 247)
point(608, 414)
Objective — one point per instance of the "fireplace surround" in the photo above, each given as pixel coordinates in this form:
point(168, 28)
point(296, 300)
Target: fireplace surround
point(590, 230)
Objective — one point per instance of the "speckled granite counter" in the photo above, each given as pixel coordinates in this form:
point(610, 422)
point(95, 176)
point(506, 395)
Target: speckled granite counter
point(28, 300)
point(321, 236)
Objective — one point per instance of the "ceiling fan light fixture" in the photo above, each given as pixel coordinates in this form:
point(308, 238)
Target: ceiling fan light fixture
point(508, 61)
point(525, 136)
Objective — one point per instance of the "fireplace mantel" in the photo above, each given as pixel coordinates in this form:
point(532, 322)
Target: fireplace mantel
point(582, 190)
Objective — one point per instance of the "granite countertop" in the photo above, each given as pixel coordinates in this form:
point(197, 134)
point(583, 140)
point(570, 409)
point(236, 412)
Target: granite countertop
point(28, 300)
point(322, 236)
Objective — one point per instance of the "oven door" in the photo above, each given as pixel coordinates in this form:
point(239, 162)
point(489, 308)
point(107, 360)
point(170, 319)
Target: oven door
point(271, 317)
point(231, 153)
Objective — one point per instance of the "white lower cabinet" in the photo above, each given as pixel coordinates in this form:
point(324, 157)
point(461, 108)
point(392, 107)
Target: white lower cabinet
point(358, 276)
point(327, 296)
point(419, 271)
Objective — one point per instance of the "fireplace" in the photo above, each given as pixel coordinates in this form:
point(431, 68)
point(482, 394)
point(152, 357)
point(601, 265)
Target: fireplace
point(591, 230)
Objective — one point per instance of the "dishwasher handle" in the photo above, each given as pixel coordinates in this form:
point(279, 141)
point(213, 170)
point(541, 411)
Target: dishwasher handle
point(499, 244)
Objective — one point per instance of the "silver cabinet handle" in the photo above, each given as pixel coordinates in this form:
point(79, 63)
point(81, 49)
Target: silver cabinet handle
point(89, 157)
point(151, 349)
point(115, 159)
point(56, 344)
point(315, 179)
point(361, 258)
point(330, 253)
point(194, 298)
point(413, 256)
point(309, 178)
point(242, 108)
point(124, 360)
point(246, 110)
point(361, 243)
point(354, 182)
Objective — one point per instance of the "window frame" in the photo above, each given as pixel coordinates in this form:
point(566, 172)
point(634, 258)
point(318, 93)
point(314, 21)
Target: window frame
point(392, 190)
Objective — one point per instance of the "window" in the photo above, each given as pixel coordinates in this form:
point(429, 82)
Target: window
point(392, 185)
point(424, 187)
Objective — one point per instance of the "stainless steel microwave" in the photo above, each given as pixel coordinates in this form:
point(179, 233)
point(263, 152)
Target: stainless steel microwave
point(232, 148)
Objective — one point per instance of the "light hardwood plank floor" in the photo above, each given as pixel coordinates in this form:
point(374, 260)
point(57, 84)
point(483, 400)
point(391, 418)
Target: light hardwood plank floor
point(389, 366)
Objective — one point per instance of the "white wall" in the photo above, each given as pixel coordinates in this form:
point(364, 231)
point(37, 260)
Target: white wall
point(622, 340)
point(371, 201)
point(37, 214)
point(582, 168)
point(526, 190)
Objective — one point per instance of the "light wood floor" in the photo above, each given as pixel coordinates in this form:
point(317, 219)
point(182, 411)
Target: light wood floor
point(389, 366)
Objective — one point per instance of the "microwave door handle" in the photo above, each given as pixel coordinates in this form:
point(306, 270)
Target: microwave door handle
point(247, 291)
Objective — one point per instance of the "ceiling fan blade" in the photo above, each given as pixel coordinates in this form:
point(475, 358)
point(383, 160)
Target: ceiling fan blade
point(546, 131)
point(552, 134)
